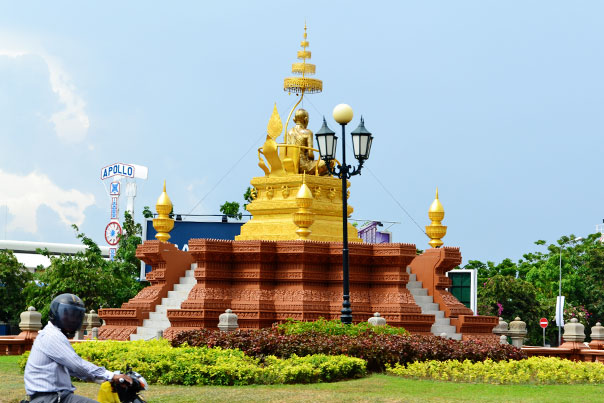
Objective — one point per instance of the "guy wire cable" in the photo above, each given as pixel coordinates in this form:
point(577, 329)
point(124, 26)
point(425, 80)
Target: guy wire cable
point(396, 201)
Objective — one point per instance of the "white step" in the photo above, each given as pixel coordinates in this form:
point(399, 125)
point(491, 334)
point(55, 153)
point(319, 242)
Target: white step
point(163, 310)
point(437, 314)
point(178, 295)
point(414, 284)
point(156, 323)
point(156, 315)
point(431, 306)
point(187, 280)
point(171, 302)
point(418, 291)
point(423, 299)
point(184, 287)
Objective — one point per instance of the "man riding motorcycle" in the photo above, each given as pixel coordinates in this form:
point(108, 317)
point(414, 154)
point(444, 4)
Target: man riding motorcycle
point(53, 361)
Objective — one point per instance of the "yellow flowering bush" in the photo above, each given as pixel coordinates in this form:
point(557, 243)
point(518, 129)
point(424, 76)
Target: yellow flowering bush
point(161, 363)
point(534, 370)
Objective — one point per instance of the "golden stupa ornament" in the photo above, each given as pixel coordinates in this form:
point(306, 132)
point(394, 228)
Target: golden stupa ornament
point(163, 224)
point(436, 230)
point(304, 217)
point(302, 84)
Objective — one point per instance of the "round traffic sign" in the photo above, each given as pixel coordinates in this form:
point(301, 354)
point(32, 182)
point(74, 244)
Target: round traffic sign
point(543, 323)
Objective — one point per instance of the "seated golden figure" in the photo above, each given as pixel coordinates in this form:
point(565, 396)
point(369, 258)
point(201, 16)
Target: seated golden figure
point(303, 154)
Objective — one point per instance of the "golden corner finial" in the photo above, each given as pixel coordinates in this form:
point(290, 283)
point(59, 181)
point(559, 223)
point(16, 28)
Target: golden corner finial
point(163, 224)
point(304, 217)
point(436, 230)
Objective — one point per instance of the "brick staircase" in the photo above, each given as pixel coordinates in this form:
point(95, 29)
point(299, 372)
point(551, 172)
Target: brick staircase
point(158, 319)
point(426, 303)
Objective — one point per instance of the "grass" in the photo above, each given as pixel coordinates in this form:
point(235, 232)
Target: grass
point(375, 388)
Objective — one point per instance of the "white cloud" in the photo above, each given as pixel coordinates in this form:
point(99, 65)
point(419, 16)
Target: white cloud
point(71, 123)
point(24, 194)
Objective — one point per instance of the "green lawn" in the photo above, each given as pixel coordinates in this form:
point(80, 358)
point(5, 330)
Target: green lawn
point(375, 388)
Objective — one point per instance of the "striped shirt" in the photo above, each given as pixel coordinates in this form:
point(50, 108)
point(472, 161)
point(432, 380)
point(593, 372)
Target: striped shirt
point(52, 361)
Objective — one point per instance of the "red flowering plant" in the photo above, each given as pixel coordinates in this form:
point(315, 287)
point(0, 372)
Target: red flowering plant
point(378, 349)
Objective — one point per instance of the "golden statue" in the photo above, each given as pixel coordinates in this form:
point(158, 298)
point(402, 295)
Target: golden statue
point(296, 198)
point(303, 155)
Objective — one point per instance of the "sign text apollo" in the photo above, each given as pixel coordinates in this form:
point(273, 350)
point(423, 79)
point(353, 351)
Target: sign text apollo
point(117, 169)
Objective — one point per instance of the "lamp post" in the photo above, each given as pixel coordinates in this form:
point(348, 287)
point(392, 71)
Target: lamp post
point(361, 144)
point(560, 308)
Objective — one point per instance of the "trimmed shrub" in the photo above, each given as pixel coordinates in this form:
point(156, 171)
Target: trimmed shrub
point(161, 363)
point(534, 370)
point(377, 349)
point(336, 327)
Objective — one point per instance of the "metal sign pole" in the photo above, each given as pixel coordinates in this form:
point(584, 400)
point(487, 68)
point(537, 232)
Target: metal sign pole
point(543, 337)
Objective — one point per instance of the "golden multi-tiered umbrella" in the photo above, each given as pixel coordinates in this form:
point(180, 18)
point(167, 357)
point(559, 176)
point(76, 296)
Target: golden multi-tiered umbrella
point(302, 84)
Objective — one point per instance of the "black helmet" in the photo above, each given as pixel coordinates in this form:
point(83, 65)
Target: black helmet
point(67, 313)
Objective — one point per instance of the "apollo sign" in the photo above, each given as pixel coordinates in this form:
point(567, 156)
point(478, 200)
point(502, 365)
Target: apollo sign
point(117, 169)
point(125, 170)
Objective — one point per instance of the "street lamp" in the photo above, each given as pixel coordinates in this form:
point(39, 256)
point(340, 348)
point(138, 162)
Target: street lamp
point(559, 307)
point(361, 144)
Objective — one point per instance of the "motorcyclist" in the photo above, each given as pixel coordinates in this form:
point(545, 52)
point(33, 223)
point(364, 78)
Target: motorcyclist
point(53, 361)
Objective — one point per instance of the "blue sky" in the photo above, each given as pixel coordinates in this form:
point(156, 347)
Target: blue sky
point(499, 104)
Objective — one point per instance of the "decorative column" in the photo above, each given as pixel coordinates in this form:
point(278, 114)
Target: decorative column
point(597, 337)
point(92, 321)
point(377, 320)
point(31, 323)
point(227, 322)
point(517, 332)
point(502, 328)
point(574, 335)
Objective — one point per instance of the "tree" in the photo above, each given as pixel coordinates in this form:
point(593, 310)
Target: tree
point(231, 209)
point(14, 277)
point(85, 274)
point(582, 278)
point(99, 282)
point(508, 297)
point(147, 213)
point(248, 196)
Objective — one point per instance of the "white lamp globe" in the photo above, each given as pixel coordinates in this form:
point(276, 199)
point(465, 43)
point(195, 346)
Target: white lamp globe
point(342, 113)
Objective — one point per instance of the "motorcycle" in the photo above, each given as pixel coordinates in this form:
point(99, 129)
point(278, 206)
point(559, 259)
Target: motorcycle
point(122, 391)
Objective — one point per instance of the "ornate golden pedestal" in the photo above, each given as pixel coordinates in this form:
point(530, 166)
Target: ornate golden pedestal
point(276, 204)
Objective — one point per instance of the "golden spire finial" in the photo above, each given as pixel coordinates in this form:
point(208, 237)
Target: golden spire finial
point(163, 224)
point(436, 230)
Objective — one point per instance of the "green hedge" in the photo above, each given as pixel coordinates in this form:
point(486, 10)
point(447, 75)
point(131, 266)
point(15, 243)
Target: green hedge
point(336, 327)
point(534, 370)
point(161, 363)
